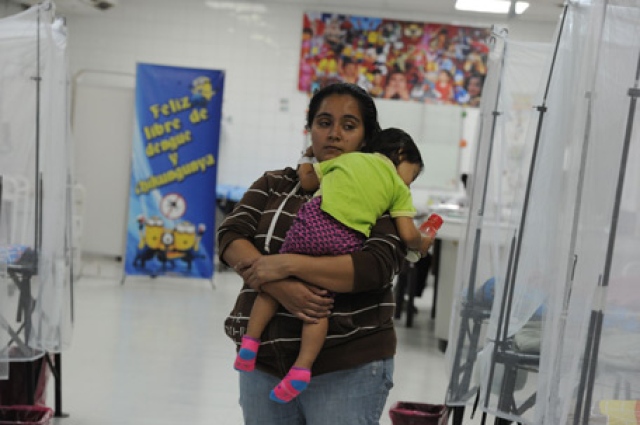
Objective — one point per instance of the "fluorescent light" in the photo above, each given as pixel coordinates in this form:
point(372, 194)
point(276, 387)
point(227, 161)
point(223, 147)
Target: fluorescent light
point(490, 6)
point(238, 7)
point(521, 6)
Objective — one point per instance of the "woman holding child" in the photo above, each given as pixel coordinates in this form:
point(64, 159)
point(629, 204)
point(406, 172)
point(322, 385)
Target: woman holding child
point(352, 374)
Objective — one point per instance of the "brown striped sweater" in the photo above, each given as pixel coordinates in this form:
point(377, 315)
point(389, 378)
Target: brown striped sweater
point(360, 326)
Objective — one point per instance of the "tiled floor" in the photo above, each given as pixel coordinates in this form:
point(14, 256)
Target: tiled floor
point(153, 352)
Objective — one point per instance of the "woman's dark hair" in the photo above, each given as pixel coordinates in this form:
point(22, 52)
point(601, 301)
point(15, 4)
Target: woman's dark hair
point(396, 145)
point(367, 106)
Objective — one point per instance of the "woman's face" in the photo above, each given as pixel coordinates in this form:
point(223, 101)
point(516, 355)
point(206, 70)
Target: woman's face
point(337, 127)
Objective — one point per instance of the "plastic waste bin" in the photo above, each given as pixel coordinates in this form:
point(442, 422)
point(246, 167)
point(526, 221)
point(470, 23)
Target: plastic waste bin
point(14, 391)
point(410, 413)
point(25, 415)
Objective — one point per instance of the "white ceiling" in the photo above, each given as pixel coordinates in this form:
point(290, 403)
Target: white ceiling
point(538, 11)
point(546, 11)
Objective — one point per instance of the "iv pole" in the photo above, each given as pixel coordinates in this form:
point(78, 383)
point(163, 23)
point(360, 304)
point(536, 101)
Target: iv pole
point(572, 260)
point(467, 309)
point(507, 295)
point(594, 332)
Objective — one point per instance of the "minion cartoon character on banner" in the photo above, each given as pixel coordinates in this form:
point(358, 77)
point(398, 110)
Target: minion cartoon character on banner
point(167, 245)
point(186, 243)
point(151, 240)
point(201, 91)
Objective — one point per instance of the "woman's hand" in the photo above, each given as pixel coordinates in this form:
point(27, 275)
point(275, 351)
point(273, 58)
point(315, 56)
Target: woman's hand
point(308, 303)
point(267, 268)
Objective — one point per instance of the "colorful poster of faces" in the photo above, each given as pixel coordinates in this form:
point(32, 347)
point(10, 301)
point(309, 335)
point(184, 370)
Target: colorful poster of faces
point(391, 59)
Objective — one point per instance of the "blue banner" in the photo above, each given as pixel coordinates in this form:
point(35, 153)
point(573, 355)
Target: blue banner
point(172, 198)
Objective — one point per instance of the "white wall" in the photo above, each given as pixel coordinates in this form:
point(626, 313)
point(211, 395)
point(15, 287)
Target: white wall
point(263, 113)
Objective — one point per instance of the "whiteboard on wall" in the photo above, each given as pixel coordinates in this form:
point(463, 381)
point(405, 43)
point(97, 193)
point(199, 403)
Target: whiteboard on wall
point(470, 134)
point(437, 130)
point(102, 122)
point(401, 114)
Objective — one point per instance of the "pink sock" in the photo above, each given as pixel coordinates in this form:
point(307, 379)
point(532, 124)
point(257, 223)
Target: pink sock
point(291, 385)
point(246, 358)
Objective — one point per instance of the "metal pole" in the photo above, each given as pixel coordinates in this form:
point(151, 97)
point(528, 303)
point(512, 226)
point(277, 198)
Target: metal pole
point(597, 315)
point(505, 312)
point(500, 320)
point(476, 247)
point(573, 258)
point(38, 79)
point(1, 177)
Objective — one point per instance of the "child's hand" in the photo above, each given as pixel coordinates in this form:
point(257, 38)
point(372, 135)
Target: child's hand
point(307, 175)
point(425, 243)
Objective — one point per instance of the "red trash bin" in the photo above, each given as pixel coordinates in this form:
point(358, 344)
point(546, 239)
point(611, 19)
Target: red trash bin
point(410, 413)
point(25, 415)
point(13, 391)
